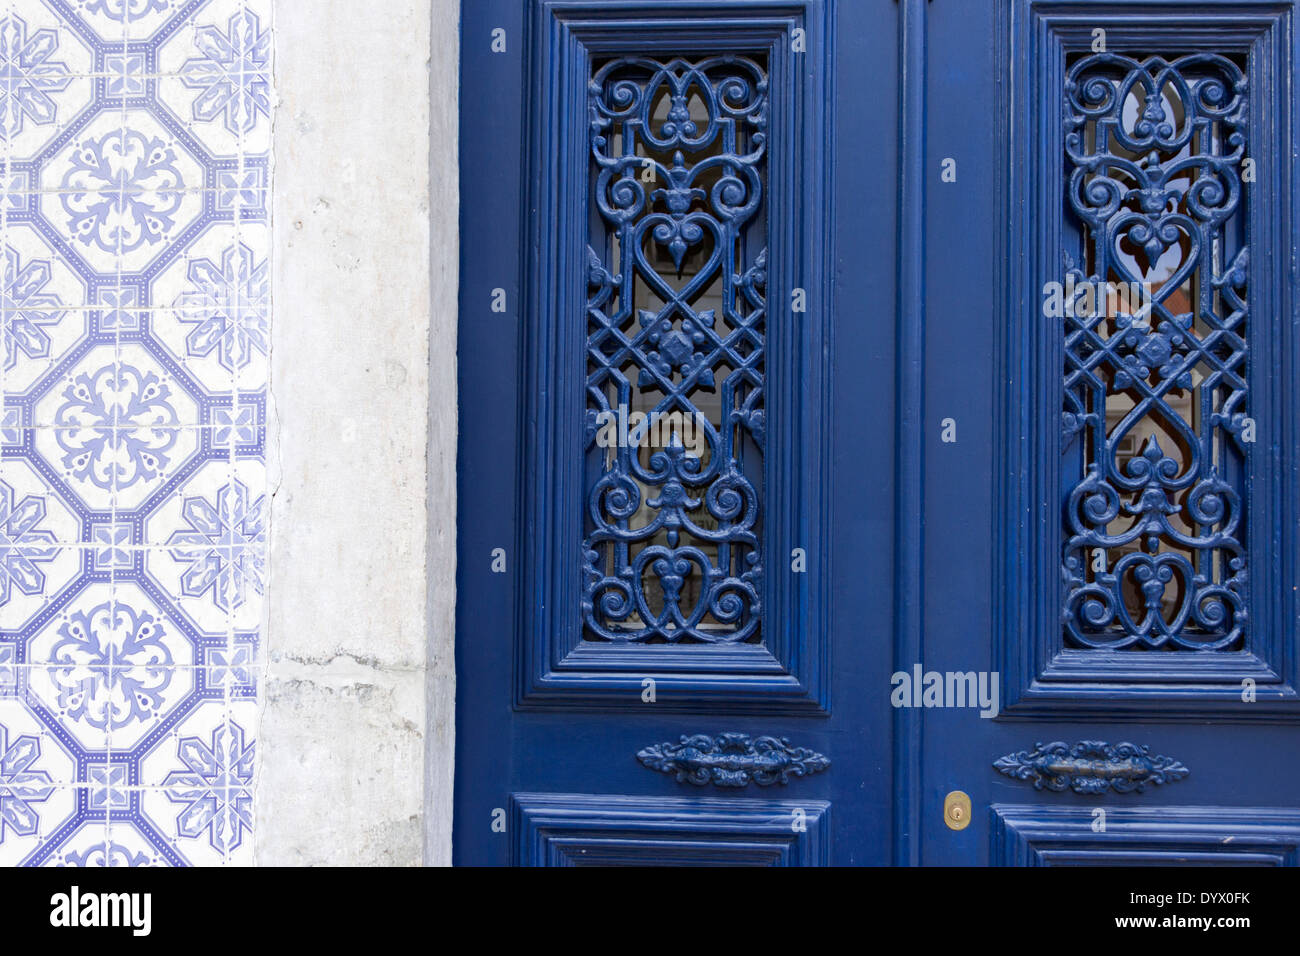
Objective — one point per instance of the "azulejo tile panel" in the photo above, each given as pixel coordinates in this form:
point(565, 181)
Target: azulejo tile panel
point(135, 144)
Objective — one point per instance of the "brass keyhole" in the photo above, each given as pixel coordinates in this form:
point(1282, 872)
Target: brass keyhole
point(956, 810)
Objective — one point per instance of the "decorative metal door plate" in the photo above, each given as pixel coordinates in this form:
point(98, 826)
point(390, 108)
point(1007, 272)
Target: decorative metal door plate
point(733, 760)
point(1091, 766)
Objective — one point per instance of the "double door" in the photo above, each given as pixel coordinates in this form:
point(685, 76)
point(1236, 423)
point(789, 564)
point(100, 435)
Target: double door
point(878, 437)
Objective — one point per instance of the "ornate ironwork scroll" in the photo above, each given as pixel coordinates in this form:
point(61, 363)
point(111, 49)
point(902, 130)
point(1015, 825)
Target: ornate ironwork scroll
point(676, 317)
point(732, 760)
point(1155, 415)
point(1091, 766)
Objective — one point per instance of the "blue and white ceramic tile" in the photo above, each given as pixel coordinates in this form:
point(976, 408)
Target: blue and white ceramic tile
point(135, 142)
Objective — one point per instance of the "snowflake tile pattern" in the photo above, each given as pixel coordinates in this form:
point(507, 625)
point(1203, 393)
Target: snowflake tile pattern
point(134, 356)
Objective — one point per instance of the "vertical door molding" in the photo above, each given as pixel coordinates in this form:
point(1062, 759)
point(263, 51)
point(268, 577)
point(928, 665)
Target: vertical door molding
point(909, 493)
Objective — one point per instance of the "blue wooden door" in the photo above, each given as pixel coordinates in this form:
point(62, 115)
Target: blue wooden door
point(877, 433)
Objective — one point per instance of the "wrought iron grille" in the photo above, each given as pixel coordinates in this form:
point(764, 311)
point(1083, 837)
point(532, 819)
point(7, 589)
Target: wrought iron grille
point(1156, 421)
point(675, 350)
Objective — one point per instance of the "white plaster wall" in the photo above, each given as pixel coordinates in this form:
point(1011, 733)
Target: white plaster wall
point(355, 745)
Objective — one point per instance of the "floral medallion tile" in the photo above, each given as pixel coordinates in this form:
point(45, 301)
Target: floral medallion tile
point(210, 551)
point(199, 785)
point(36, 775)
point(134, 359)
point(215, 74)
point(123, 191)
point(112, 664)
point(213, 311)
point(44, 307)
point(48, 69)
point(40, 555)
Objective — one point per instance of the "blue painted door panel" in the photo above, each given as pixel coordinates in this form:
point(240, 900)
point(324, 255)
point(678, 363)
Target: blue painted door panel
point(827, 227)
point(1140, 717)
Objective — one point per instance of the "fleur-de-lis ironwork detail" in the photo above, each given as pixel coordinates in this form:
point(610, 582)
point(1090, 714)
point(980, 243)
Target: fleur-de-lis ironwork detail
point(1091, 766)
point(732, 760)
point(671, 551)
point(1154, 555)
